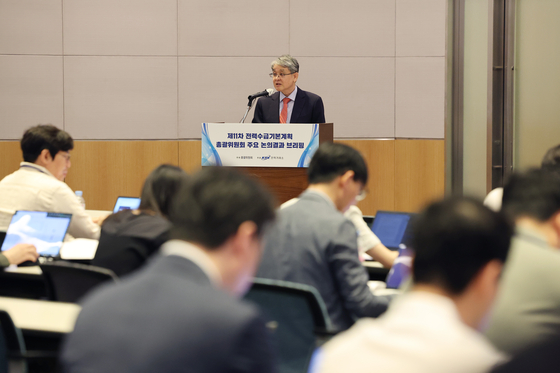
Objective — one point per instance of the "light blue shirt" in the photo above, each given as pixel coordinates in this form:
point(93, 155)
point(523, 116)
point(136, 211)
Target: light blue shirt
point(292, 98)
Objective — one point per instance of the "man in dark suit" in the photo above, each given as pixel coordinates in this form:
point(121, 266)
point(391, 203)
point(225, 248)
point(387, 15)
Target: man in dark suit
point(314, 244)
point(290, 104)
point(180, 313)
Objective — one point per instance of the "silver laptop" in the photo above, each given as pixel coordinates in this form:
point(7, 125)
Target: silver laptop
point(126, 203)
point(44, 230)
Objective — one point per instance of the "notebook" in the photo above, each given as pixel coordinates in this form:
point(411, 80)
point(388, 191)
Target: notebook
point(392, 228)
point(44, 230)
point(126, 203)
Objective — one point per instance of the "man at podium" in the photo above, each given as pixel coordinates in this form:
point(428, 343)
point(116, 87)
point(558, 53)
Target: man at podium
point(290, 104)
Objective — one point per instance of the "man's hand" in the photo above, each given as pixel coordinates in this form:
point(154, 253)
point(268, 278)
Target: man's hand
point(21, 252)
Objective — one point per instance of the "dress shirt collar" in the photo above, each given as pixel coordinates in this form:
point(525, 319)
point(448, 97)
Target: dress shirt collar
point(34, 168)
point(527, 234)
point(292, 95)
point(194, 254)
point(426, 306)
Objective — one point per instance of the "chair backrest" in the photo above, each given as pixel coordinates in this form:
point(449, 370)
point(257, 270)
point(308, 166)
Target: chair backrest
point(68, 282)
point(296, 314)
point(13, 346)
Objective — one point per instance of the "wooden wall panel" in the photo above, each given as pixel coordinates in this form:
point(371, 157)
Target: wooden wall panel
point(419, 173)
point(404, 174)
point(190, 155)
point(10, 157)
point(105, 170)
point(380, 158)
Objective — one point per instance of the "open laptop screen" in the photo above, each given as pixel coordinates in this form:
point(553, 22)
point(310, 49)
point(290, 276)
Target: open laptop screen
point(390, 227)
point(45, 230)
point(126, 203)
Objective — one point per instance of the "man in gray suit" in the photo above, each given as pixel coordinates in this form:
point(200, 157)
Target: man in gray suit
point(314, 244)
point(527, 309)
point(179, 313)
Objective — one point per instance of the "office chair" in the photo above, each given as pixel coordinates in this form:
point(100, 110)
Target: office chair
point(297, 317)
point(68, 282)
point(15, 356)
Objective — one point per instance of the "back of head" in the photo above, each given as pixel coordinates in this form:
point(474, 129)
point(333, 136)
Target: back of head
point(160, 188)
point(332, 160)
point(44, 136)
point(534, 193)
point(551, 160)
point(215, 202)
point(454, 239)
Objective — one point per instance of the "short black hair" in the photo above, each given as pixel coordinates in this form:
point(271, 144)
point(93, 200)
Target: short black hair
point(44, 136)
point(160, 188)
point(454, 238)
point(215, 202)
point(534, 193)
point(332, 160)
point(551, 160)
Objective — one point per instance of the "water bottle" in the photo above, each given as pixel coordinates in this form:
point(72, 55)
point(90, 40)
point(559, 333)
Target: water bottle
point(79, 195)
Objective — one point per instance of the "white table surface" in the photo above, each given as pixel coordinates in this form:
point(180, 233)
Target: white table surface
point(41, 315)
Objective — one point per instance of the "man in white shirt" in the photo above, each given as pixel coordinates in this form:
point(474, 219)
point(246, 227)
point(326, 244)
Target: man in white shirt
point(460, 250)
point(39, 185)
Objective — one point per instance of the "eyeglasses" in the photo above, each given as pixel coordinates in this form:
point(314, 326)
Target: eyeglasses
point(275, 75)
point(362, 195)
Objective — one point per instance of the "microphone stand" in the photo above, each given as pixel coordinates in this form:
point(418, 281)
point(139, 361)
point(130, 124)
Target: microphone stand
point(249, 105)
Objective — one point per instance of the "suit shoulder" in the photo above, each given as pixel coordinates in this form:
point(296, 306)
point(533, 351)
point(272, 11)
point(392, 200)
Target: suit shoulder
point(312, 96)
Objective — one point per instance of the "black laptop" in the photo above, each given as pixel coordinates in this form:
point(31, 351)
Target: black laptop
point(392, 228)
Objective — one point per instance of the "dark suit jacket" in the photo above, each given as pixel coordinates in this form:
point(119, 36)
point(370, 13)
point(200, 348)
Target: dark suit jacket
point(308, 108)
point(128, 240)
point(314, 244)
point(166, 317)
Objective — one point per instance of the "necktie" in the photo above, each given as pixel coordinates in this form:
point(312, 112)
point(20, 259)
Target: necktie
point(284, 113)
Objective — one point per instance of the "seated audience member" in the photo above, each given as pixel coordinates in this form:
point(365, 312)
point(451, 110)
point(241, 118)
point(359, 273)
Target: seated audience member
point(460, 250)
point(550, 163)
point(39, 185)
point(179, 313)
point(129, 237)
point(540, 358)
point(314, 244)
point(368, 242)
point(20, 253)
point(528, 306)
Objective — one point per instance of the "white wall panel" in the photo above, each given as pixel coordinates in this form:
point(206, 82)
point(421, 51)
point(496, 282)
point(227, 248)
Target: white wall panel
point(420, 97)
point(421, 27)
point(233, 28)
point(358, 93)
point(120, 27)
point(30, 93)
point(30, 27)
point(216, 90)
point(121, 97)
point(342, 28)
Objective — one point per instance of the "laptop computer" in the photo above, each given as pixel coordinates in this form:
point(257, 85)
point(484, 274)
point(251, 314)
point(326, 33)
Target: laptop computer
point(44, 230)
point(392, 228)
point(126, 203)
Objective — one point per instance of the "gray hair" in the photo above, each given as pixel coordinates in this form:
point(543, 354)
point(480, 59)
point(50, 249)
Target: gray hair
point(286, 61)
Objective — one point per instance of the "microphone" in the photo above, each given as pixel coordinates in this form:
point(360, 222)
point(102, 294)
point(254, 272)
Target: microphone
point(266, 92)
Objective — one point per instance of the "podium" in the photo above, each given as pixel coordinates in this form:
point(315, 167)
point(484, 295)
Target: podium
point(276, 154)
